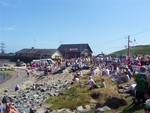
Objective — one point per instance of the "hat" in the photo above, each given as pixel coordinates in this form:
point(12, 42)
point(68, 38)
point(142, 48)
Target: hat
point(147, 102)
point(5, 99)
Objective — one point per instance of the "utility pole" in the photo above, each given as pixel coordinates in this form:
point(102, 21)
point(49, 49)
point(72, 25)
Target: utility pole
point(128, 45)
point(34, 42)
point(2, 47)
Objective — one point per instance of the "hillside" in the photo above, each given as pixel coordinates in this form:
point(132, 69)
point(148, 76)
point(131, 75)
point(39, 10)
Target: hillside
point(140, 49)
point(77, 95)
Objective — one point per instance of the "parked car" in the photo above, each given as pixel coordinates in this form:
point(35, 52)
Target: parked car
point(75, 67)
point(20, 63)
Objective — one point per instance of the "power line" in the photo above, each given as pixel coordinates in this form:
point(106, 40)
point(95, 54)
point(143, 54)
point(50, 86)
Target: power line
point(122, 37)
point(109, 41)
point(140, 32)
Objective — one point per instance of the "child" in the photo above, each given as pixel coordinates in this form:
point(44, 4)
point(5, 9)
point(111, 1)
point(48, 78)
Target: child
point(17, 74)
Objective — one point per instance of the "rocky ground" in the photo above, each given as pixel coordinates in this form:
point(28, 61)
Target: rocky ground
point(27, 97)
point(46, 86)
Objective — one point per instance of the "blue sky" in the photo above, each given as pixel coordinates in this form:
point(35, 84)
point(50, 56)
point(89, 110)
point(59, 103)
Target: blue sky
point(103, 24)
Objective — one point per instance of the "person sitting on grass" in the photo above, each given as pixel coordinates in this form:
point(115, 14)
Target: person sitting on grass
point(120, 77)
point(129, 88)
point(92, 83)
point(76, 78)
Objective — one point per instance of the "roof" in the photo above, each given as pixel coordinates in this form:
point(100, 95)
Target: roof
point(46, 51)
point(37, 51)
point(28, 51)
point(74, 48)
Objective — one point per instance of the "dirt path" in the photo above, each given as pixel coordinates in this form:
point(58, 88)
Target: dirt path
point(23, 81)
point(11, 83)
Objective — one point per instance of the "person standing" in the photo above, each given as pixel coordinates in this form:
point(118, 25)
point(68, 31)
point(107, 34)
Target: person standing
point(17, 74)
point(142, 84)
point(28, 72)
point(17, 87)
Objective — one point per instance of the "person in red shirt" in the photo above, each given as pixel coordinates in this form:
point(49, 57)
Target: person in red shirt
point(137, 63)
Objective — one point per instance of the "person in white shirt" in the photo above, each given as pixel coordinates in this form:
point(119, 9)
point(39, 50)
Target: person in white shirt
point(92, 83)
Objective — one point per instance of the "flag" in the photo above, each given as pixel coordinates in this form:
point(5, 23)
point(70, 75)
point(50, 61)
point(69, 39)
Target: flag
point(125, 46)
point(135, 41)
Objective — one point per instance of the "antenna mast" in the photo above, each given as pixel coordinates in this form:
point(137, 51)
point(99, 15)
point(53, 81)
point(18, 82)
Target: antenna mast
point(2, 47)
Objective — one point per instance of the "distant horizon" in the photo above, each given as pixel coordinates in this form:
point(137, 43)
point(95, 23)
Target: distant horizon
point(78, 43)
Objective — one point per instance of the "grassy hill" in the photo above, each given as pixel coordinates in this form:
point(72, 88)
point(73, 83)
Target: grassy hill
point(109, 96)
point(140, 49)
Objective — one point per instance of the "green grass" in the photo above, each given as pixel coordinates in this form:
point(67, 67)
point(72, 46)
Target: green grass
point(141, 49)
point(71, 99)
point(77, 96)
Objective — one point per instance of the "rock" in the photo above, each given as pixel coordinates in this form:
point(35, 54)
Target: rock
point(6, 90)
point(61, 93)
point(98, 105)
point(32, 110)
point(64, 110)
point(54, 111)
point(25, 99)
point(84, 109)
point(103, 109)
point(42, 110)
point(43, 90)
point(93, 105)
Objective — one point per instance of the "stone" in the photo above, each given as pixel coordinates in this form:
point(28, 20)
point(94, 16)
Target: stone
point(103, 109)
point(98, 105)
point(43, 90)
point(64, 110)
point(84, 109)
point(54, 111)
point(27, 98)
point(6, 90)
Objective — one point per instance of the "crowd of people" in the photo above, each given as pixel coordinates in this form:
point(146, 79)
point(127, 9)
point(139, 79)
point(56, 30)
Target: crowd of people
point(120, 69)
point(123, 69)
